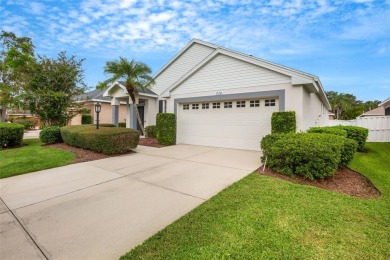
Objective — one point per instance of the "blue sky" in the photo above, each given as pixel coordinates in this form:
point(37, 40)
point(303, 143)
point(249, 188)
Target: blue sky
point(344, 42)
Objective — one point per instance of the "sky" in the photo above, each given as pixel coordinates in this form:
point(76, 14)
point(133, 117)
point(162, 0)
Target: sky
point(344, 42)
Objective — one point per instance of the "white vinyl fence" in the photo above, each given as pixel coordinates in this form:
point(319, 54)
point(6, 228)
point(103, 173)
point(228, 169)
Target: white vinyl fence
point(378, 127)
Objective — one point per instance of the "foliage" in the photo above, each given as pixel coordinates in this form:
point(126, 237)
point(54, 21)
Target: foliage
point(28, 122)
point(269, 140)
point(52, 86)
point(151, 131)
point(136, 75)
point(346, 106)
point(50, 135)
point(313, 156)
point(359, 134)
point(105, 125)
point(328, 130)
point(166, 128)
point(261, 217)
point(16, 54)
point(284, 122)
point(122, 124)
point(86, 119)
point(11, 134)
point(107, 140)
point(30, 157)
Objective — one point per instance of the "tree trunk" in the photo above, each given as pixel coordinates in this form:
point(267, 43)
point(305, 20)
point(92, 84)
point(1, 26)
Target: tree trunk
point(3, 113)
point(141, 124)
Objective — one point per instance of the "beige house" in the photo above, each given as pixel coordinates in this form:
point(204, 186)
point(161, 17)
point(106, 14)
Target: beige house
point(224, 98)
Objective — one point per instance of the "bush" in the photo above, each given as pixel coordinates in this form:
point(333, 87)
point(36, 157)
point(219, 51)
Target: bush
point(283, 122)
point(11, 134)
point(28, 123)
point(151, 131)
point(107, 140)
point(105, 125)
point(50, 135)
point(348, 151)
point(122, 124)
point(166, 128)
point(86, 119)
point(269, 140)
point(328, 130)
point(359, 134)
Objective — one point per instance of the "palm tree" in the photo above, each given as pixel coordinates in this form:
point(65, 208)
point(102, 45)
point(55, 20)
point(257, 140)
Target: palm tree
point(136, 75)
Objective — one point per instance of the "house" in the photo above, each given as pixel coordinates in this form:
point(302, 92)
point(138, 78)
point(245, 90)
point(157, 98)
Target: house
point(89, 100)
point(383, 109)
point(224, 98)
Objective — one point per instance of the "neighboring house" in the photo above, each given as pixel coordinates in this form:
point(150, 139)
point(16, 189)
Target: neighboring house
point(225, 98)
point(89, 100)
point(383, 109)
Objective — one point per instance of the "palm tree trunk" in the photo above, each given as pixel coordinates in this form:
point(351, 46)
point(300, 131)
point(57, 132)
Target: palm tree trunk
point(141, 124)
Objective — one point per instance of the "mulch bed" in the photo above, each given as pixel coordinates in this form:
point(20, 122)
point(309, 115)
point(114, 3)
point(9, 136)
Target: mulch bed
point(344, 181)
point(150, 141)
point(82, 155)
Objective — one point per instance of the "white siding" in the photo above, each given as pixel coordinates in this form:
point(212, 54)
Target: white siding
point(378, 126)
point(314, 112)
point(189, 59)
point(224, 72)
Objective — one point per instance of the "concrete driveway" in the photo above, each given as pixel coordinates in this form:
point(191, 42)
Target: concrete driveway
point(102, 209)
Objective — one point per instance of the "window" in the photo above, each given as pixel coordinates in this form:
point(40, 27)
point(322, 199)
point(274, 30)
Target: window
point(186, 106)
point(254, 103)
point(270, 102)
point(228, 104)
point(240, 103)
point(205, 105)
point(195, 106)
point(216, 105)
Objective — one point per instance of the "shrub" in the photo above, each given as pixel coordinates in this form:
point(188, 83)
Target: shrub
point(283, 122)
point(166, 128)
point(50, 135)
point(151, 131)
point(313, 156)
point(348, 151)
point(105, 125)
point(122, 124)
point(328, 130)
point(359, 134)
point(107, 140)
point(269, 140)
point(28, 123)
point(86, 119)
point(11, 134)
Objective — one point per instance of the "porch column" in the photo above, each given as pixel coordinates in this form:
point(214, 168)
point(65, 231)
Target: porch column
point(115, 110)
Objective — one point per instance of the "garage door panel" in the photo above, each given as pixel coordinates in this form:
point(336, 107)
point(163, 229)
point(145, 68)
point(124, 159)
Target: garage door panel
point(240, 128)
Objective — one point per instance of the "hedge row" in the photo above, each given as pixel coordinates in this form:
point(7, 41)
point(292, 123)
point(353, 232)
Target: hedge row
point(50, 135)
point(311, 155)
point(166, 128)
point(107, 140)
point(11, 134)
point(283, 122)
point(359, 134)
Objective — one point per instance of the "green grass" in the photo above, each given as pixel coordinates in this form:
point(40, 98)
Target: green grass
point(262, 217)
point(32, 156)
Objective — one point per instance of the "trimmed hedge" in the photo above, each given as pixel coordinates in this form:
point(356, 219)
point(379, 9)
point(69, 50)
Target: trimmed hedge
point(50, 135)
point(312, 155)
point(122, 124)
point(359, 134)
point(86, 119)
point(107, 140)
point(11, 134)
point(166, 128)
point(105, 125)
point(151, 131)
point(283, 122)
point(328, 130)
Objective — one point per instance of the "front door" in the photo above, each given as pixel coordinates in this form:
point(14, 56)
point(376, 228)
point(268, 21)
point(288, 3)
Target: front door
point(141, 114)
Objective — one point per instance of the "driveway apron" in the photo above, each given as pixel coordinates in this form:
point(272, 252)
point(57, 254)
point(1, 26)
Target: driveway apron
point(102, 209)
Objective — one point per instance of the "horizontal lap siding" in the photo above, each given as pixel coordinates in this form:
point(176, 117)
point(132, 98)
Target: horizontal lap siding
point(188, 60)
point(224, 72)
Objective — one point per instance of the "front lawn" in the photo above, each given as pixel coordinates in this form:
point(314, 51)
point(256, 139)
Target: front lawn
point(261, 217)
point(31, 157)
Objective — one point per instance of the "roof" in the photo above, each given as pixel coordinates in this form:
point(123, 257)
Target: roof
point(94, 95)
point(139, 89)
point(298, 77)
point(386, 102)
point(379, 111)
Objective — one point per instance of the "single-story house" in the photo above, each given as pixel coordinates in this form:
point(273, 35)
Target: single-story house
point(225, 98)
point(383, 109)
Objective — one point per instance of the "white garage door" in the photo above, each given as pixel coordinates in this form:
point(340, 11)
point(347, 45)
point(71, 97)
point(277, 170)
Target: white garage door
point(233, 124)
